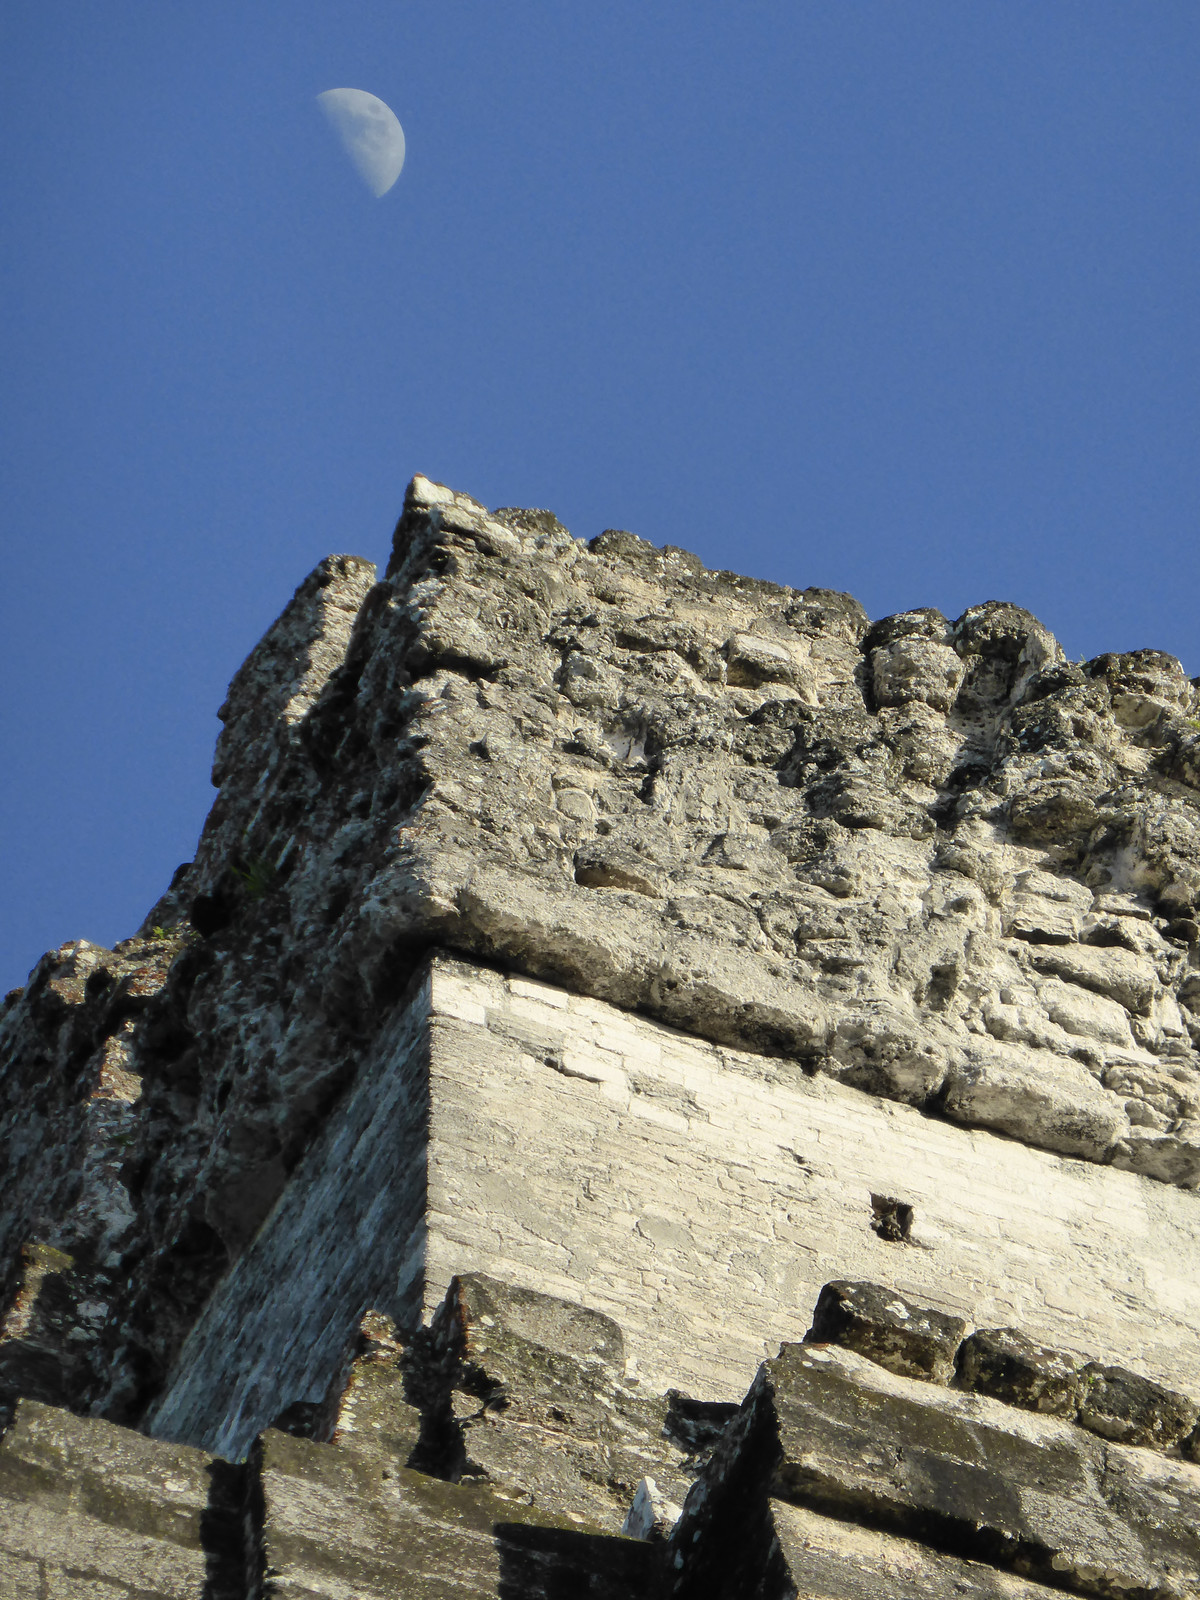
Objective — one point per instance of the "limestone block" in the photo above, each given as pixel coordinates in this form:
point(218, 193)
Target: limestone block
point(1045, 908)
point(1119, 974)
point(1009, 1366)
point(915, 1341)
point(825, 1559)
point(827, 1430)
point(1173, 1156)
point(752, 660)
point(1118, 1404)
point(371, 1414)
point(336, 1525)
point(100, 1510)
point(916, 669)
point(1034, 1096)
point(1086, 1015)
point(525, 1391)
point(588, 682)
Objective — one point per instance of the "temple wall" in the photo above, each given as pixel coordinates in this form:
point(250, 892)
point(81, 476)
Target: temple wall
point(702, 1196)
point(699, 1195)
point(346, 1234)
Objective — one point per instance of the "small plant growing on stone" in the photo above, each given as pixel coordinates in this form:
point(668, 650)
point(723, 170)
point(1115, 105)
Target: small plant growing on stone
point(258, 874)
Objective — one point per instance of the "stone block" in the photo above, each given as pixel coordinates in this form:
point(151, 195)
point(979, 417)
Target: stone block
point(526, 1392)
point(102, 1510)
point(1121, 1405)
point(914, 1341)
point(1034, 1096)
point(825, 1559)
point(1122, 976)
point(335, 1525)
point(534, 1173)
point(966, 1475)
point(911, 668)
point(1005, 1364)
point(372, 1414)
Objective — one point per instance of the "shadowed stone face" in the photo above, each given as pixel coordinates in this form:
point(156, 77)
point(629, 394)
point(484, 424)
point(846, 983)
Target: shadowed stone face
point(1006, 1364)
point(1121, 1405)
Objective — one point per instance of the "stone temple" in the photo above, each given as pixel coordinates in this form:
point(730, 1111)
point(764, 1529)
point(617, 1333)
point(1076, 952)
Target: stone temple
point(653, 1087)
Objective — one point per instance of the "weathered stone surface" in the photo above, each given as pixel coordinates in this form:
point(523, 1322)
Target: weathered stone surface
point(915, 1341)
point(923, 896)
point(523, 1390)
point(1020, 1091)
point(39, 1357)
point(335, 1524)
point(828, 1430)
point(720, 802)
point(1008, 1365)
point(292, 1304)
point(1118, 1404)
point(829, 1560)
point(88, 1509)
point(699, 1196)
point(69, 1107)
point(368, 1409)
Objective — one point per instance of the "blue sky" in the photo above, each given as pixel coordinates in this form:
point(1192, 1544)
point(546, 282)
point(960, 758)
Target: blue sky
point(893, 296)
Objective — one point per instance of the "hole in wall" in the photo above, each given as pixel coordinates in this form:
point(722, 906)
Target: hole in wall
point(891, 1219)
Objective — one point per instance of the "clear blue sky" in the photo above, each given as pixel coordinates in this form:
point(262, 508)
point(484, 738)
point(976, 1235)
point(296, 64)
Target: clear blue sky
point(894, 296)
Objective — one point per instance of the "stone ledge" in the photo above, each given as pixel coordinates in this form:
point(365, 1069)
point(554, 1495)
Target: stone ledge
point(827, 1429)
point(92, 1503)
point(917, 1341)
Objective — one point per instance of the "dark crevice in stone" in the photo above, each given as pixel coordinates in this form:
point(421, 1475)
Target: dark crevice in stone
point(891, 1219)
point(223, 1532)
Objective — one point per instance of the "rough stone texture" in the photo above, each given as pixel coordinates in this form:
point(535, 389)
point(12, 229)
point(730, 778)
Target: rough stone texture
point(1006, 1364)
point(330, 1251)
point(1118, 1404)
point(699, 1196)
point(368, 1408)
point(823, 1559)
point(915, 1341)
point(768, 947)
point(524, 1391)
point(339, 1526)
point(70, 1096)
point(962, 884)
point(89, 1511)
point(829, 1430)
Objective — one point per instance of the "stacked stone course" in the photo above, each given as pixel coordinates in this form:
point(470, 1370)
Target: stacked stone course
point(652, 1085)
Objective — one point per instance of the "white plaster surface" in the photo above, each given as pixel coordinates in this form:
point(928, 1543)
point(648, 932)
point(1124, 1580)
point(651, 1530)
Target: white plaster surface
point(702, 1196)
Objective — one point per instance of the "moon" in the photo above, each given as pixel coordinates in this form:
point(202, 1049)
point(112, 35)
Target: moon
point(370, 133)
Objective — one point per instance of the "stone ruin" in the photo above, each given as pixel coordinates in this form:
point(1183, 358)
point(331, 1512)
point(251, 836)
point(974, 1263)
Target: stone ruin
point(653, 1087)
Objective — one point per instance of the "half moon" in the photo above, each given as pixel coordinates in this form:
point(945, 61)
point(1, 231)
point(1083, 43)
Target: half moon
point(370, 133)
